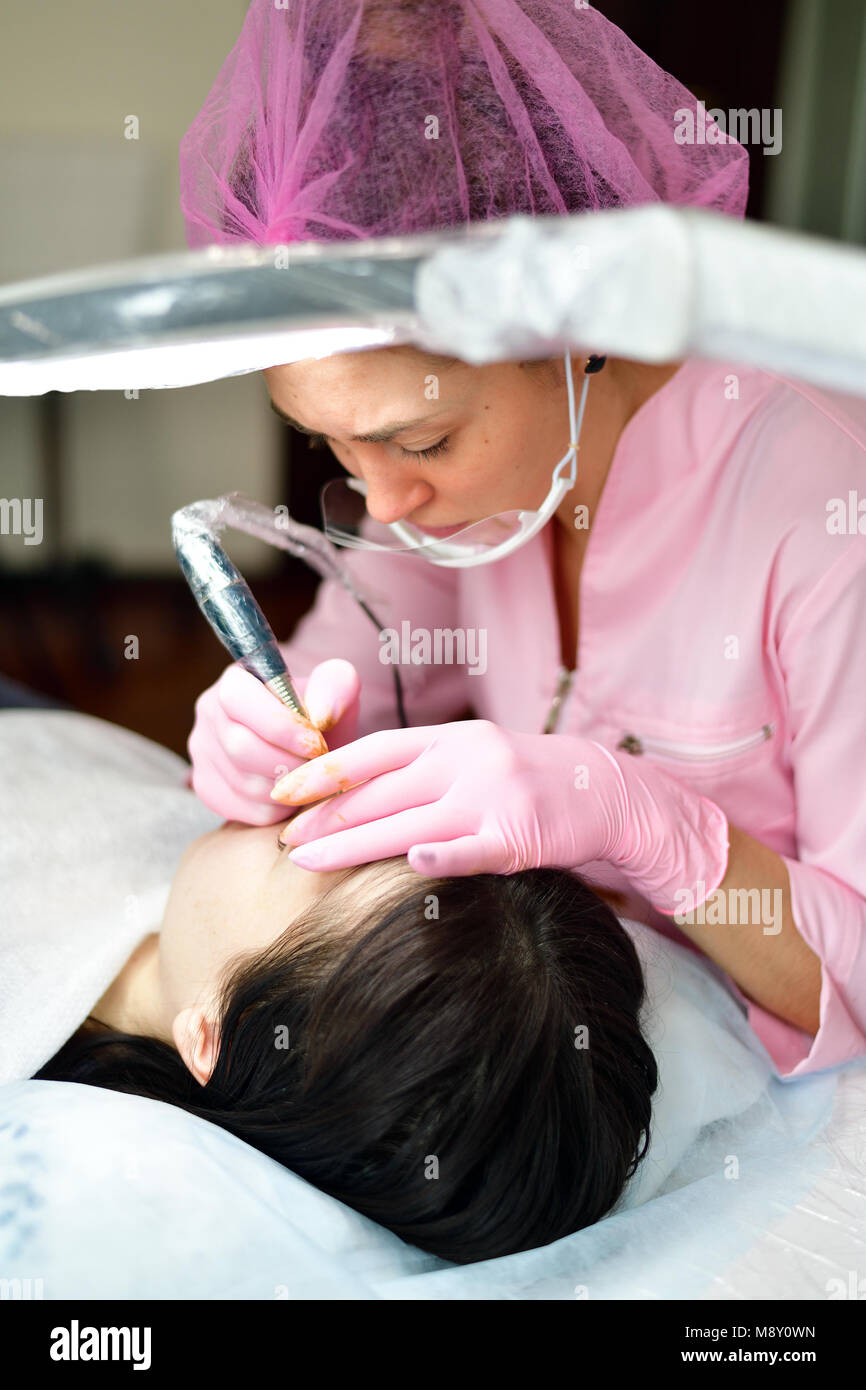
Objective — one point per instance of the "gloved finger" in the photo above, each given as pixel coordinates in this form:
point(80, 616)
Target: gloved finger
point(212, 789)
point(469, 854)
point(205, 747)
point(249, 752)
point(331, 694)
point(381, 839)
point(356, 762)
point(385, 795)
point(244, 699)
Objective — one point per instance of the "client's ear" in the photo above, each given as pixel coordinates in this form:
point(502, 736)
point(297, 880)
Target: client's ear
point(196, 1037)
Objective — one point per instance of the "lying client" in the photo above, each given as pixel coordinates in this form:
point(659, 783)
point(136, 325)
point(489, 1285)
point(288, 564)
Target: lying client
point(459, 1059)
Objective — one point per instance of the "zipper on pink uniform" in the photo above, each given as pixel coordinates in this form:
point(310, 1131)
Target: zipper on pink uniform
point(564, 678)
point(630, 743)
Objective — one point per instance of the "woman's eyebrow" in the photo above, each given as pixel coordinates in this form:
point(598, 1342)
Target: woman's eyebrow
point(374, 437)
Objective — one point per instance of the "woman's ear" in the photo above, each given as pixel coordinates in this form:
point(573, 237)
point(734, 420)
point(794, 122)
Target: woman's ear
point(196, 1037)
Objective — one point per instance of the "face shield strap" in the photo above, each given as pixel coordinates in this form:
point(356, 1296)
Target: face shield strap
point(589, 370)
point(453, 553)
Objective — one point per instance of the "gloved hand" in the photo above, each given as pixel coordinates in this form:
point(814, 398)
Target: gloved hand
point(471, 797)
point(244, 739)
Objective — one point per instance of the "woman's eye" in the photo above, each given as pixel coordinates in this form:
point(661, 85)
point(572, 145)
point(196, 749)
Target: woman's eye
point(431, 453)
point(320, 441)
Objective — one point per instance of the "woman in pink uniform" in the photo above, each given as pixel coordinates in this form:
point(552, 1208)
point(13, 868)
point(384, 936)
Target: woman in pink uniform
point(661, 681)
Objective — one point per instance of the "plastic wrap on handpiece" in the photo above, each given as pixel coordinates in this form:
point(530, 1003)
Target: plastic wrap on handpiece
point(212, 515)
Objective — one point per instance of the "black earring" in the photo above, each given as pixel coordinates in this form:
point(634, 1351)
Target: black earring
point(594, 364)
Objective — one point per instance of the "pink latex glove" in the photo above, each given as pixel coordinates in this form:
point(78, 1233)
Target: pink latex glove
point(244, 739)
point(471, 797)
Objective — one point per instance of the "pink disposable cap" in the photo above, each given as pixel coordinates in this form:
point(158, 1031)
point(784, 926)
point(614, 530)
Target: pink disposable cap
point(334, 120)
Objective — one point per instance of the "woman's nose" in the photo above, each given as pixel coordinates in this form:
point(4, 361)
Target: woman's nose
point(391, 496)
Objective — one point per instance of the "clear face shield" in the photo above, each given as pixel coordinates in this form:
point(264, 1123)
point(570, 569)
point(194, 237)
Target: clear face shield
point(346, 521)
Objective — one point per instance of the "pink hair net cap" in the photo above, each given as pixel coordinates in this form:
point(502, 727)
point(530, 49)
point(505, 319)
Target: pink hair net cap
point(335, 120)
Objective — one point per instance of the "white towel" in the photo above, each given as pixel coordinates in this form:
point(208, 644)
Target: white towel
point(95, 821)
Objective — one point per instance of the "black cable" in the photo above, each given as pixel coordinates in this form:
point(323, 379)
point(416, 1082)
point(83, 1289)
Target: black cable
point(401, 711)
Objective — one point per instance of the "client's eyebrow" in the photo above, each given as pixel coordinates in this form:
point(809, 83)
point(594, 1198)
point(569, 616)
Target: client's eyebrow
point(375, 437)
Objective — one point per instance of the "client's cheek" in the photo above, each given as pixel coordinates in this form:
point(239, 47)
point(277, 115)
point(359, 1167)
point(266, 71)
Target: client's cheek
point(190, 933)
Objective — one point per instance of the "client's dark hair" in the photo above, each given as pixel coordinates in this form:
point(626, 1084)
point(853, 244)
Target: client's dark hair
point(463, 1064)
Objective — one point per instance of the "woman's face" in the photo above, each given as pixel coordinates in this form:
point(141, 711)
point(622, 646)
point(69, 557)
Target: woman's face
point(486, 439)
point(235, 892)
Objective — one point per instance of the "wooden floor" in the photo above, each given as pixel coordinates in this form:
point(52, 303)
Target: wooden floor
point(66, 636)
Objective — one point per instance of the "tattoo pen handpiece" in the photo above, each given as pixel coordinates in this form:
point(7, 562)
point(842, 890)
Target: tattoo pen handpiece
point(224, 598)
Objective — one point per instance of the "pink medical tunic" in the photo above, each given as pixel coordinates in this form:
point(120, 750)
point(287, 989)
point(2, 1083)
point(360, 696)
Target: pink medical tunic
point(722, 636)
